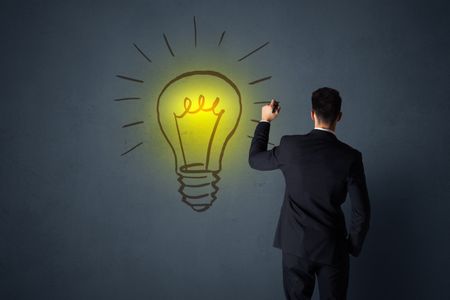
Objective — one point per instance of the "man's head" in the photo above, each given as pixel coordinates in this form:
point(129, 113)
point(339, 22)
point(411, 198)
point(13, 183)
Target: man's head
point(326, 107)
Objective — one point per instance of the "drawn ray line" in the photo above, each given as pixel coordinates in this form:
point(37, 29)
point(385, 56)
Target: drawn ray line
point(268, 142)
point(168, 45)
point(143, 54)
point(257, 49)
point(131, 124)
point(254, 120)
point(127, 98)
point(195, 32)
point(129, 78)
point(221, 39)
point(261, 102)
point(131, 149)
point(260, 80)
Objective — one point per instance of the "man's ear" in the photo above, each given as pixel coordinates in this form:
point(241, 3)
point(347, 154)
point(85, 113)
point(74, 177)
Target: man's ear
point(312, 115)
point(339, 116)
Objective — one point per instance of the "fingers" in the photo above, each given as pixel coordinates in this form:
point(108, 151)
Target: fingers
point(271, 104)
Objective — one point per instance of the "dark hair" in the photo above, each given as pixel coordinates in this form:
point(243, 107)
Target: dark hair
point(326, 103)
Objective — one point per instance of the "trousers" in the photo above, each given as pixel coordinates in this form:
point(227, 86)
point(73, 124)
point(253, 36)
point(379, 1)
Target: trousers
point(299, 277)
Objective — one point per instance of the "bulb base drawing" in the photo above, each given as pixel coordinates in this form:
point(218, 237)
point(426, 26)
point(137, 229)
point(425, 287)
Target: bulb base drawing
point(198, 187)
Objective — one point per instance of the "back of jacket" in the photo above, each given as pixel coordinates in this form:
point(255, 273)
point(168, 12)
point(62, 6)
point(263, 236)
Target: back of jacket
point(319, 171)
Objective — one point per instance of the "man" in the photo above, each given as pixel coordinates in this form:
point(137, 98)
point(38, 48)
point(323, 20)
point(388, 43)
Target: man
point(319, 170)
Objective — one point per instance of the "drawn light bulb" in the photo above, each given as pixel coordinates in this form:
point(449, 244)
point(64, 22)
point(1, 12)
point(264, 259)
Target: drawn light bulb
point(198, 113)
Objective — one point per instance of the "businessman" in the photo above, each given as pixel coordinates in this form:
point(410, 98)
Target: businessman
point(319, 170)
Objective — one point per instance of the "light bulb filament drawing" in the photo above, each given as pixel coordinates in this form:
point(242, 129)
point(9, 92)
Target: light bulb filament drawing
point(201, 103)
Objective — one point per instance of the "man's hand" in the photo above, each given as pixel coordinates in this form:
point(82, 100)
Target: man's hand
point(266, 111)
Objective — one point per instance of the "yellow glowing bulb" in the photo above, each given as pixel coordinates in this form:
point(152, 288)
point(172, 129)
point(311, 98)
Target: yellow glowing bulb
point(198, 113)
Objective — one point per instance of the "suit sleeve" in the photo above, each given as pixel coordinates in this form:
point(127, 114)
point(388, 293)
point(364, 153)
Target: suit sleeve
point(360, 215)
point(259, 157)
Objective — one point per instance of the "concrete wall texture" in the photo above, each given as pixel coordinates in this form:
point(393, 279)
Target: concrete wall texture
point(80, 221)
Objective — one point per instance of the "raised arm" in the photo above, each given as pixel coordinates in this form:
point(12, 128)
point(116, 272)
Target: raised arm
point(259, 158)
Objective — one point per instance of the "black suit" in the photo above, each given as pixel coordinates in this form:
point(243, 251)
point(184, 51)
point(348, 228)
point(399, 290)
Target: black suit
point(319, 170)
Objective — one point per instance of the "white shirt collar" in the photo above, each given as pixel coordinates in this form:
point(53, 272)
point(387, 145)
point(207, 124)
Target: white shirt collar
point(325, 129)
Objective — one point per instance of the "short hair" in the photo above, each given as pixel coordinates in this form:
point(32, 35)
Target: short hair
point(326, 103)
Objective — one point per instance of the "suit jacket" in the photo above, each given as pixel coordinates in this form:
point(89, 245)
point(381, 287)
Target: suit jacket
point(319, 170)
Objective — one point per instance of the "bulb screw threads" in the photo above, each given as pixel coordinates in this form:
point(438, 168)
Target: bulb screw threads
point(198, 187)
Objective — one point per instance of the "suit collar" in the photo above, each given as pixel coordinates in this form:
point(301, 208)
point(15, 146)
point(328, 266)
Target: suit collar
point(323, 133)
point(325, 129)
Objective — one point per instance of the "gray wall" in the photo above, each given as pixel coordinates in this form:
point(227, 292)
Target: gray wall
point(79, 221)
